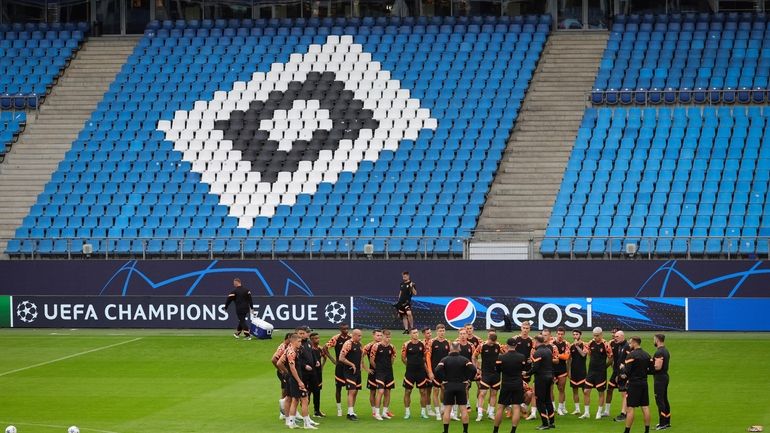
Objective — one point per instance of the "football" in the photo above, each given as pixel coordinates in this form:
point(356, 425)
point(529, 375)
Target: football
point(10, 429)
point(73, 429)
point(335, 312)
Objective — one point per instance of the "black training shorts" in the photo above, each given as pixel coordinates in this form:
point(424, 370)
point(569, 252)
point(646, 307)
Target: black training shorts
point(455, 393)
point(510, 395)
point(638, 394)
point(596, 379)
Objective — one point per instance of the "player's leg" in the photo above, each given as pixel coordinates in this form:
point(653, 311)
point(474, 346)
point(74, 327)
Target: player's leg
point(292, 412)
point(492, 401)
point(586, 401)
point(482, 394)
point(600, 412)
point(378, 397)
point(339, 384)
point(410, 318)
point(386, 404)
point(561, 386)
point(352, 394)
point(449, 400)
point(424, 401)
point(405, 321)
point(515, 417)
point(464, 415)
point(629, 418)
point(646, 415)
point(408, 386)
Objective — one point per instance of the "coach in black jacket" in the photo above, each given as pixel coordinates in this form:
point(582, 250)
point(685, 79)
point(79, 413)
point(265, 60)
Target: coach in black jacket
point(542, 369)
point(455, 372)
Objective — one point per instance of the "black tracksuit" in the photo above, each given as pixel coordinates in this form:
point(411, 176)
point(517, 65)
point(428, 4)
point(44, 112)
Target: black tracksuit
point(243, 304)
point(542, 369)
point(660, 386)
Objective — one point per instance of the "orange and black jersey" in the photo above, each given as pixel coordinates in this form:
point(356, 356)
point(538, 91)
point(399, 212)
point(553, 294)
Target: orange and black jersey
point(597, 355)
point(414, 353)
point(578, 360)
point(368, 348)
point(489, 355)
point(466, 350)
point(382, 356)
point(290, 358)
point(352, 352)
point(337, 342)
point(474, 340)
point(562, 352)
point(280, 351)
point(523, 345)
point(436, 351)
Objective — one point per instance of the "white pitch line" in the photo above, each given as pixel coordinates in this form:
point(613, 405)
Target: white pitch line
point(63, 427)
point(69, 356)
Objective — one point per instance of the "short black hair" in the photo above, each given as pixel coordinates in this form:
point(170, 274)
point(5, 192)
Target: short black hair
point(540, 339)
point(578, 331)
point(288, 335)
point(561, 329)
point(426, 329)
point(492, 337)
point(660, 337)
point(313, 334)
point(511, 342)
point(405, 273)
point(637, 340)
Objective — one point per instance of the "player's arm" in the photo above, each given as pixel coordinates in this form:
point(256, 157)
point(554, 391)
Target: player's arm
point(403, 352)
point(280, 364)
point(566, 355)
point(372, 355)
point(251, 302)
point(440, 371)
point(555, 354)
point(293, 371)
point(344, 356)
point(230, 299)
point(329, 344)
point(658, 363)
point(414, 289)
point(429, 362)
point(470, 370)
point(536, 362)
point(277, 358)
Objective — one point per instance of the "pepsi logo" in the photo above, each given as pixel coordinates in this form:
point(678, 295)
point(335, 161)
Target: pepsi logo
point(459, 312)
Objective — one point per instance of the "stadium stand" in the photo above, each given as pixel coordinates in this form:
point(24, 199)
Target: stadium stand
point(11, 125)
point(673, 181)
point(32, 56)
point(293, 136)
point(684, 58)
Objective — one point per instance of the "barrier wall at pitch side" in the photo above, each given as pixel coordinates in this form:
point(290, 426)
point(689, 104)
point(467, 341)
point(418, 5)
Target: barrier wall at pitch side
point(634, 295)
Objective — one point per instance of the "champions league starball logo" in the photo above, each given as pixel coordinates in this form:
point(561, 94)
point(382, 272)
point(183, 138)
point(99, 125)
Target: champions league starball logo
point(26, 311)
point(335, 312)
point(304, 122)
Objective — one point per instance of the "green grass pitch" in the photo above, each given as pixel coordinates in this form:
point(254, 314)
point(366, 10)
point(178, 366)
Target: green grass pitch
point(138, 381)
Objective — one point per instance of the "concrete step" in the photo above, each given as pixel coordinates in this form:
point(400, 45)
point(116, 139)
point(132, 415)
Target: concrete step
point(42, 145)
point(532, 168)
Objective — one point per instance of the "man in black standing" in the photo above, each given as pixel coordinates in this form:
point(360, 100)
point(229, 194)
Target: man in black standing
point(542, 369)
point(243, 305)
point(404, 304)
point(635, 369)
point(620, 349)
point(660, 382)
point(317, 384)
point(511, 365)
point(455, 372)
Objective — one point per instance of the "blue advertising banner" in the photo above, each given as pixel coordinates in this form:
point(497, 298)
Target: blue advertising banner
point(729, 314)
point(543, 278)
point(637, 314)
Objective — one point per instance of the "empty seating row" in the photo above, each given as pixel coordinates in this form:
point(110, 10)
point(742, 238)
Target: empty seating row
point(302, 135)
point(697, 175)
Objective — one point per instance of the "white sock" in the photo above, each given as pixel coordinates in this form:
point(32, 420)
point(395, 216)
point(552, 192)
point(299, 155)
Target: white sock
point(350, 411)
point(533, 410)
point(599, 412)
point(281, 402)
point(422, 411)
point(308, 421)
point(577, 407)
point(374, 409)
point(407, 411)
point(339, 406)
point(607, 407)
point(480, 410)
point(588, 408)
point(385, 409)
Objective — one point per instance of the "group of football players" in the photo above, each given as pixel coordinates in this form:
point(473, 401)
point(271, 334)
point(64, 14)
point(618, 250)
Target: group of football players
point(502, 372)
